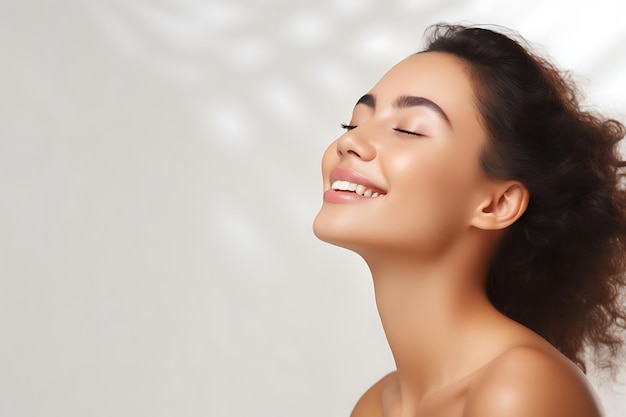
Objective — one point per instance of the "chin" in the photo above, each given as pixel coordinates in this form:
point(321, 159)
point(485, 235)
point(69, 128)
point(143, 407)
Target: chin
point(325, 229)
point(332, 229)
point(344, 232)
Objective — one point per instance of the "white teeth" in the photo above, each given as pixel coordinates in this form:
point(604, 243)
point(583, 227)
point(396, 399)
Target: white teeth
point(360, 189)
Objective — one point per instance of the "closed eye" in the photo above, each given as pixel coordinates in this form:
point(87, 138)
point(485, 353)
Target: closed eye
point(347, 127)
point(408, 132)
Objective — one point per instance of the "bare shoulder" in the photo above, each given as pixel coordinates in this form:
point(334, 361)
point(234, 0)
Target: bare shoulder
point(527, 381)
point(370, 404)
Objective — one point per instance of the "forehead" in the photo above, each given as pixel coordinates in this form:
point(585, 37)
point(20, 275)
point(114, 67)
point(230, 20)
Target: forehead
point(440, 77)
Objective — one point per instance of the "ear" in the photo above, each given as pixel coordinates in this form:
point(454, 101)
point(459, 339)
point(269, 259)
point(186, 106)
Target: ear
point(502, 207)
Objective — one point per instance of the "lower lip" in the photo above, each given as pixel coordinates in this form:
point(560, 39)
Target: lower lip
point(333, 196)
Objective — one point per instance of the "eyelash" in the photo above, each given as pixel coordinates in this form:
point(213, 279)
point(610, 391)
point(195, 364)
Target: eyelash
point(408, 132)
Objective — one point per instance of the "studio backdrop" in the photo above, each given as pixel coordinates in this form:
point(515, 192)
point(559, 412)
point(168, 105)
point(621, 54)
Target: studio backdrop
point(159, 174)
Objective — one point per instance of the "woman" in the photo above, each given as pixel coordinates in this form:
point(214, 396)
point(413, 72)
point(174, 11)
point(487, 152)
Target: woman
point(488, 207)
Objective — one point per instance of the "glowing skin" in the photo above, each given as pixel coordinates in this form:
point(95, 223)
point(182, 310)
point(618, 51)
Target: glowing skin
point(430, 180)
point(428, 237)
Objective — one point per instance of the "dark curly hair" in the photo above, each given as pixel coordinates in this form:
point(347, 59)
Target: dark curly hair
point(559, 270)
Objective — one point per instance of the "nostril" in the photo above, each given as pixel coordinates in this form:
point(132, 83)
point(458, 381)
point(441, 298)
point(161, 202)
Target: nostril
point(342, 153)
point(349, 144)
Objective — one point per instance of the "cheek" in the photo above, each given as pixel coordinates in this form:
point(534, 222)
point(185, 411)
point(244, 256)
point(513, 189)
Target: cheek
point(435, 201)
point(442, 171)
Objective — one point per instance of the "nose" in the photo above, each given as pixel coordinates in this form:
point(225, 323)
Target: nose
point(353, 143)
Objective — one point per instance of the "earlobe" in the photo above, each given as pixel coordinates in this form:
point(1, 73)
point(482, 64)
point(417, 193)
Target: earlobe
point(503, 207)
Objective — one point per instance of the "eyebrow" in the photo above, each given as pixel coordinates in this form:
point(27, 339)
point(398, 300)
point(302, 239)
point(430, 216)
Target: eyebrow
point(404, 102)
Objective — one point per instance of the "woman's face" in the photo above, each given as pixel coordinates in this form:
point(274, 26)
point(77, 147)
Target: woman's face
point(405, 175)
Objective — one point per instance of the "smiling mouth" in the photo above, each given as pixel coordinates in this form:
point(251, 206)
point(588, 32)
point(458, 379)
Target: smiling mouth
point(342, 185)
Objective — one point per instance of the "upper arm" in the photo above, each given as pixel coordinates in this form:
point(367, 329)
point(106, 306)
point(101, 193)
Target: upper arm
point(530, 383)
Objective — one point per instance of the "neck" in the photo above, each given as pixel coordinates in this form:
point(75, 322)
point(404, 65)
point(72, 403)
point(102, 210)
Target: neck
point(431, 312)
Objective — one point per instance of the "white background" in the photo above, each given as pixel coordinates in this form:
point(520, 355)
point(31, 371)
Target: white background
point(159, 172)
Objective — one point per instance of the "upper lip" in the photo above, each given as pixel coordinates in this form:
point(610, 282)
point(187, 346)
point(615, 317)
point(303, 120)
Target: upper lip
point(344, 174)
